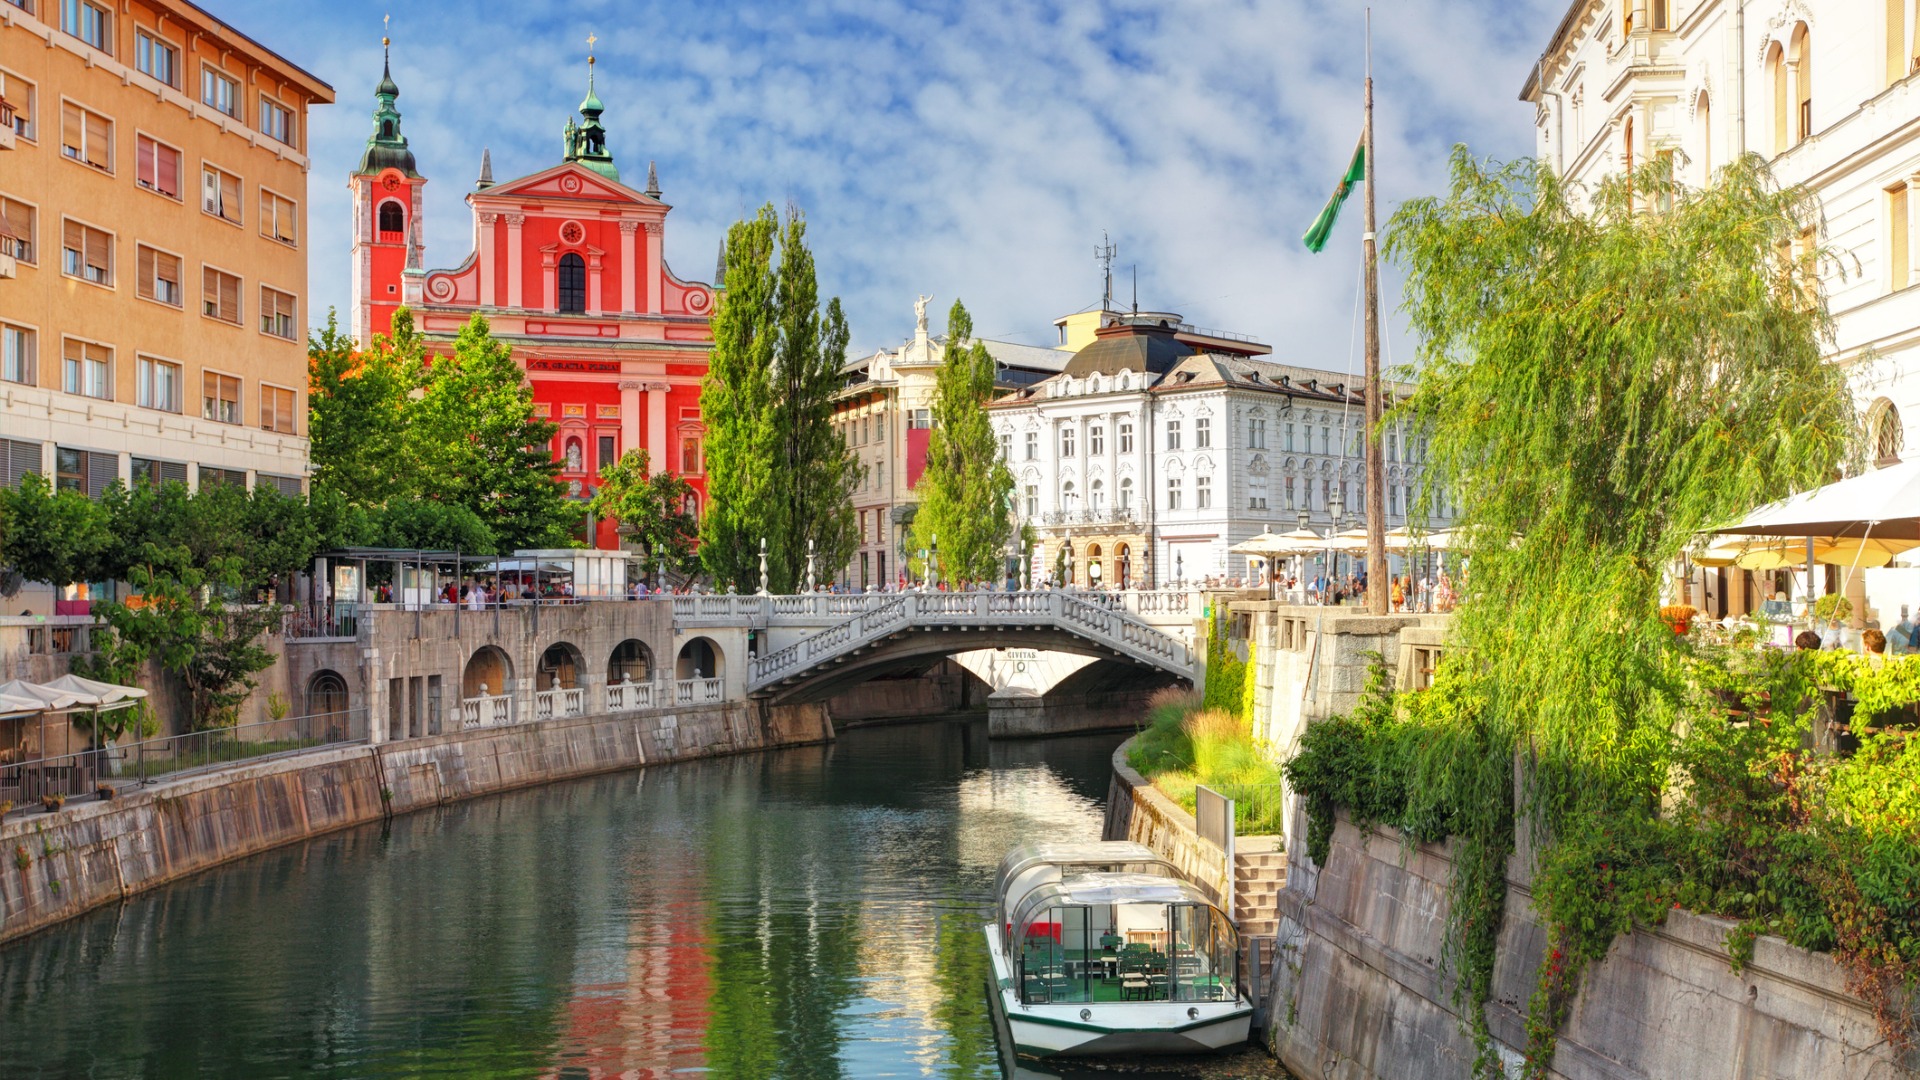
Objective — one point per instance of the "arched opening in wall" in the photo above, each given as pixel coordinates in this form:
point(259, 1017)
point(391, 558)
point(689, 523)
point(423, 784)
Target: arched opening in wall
point(699, 658)
point(572, 283)
point(559, 668)
point(392, 218)
point(487, 673)
point(1889, 436)
point(631, 661)
point(1800, 55)
point(386, 129)
point(327, 702)
point(1094, 569)
point(1777, 75)
point(1123, 565)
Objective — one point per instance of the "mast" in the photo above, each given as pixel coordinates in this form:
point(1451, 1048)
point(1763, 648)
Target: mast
point(1377, 584)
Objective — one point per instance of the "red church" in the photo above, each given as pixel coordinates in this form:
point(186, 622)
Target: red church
point(567, 268)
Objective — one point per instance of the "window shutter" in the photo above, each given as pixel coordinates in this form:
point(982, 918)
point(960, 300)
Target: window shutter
point(169, 182)
point(144, 148)
point(146, 259)
point(230, 197)
point(173, 470)
point(210, 191)
point(73, 127)
point(100, 252)
point(19, 219)
point(73, 236)
point(229, 298)
point(167, 269)
point(99, 141)
point(102, 469)
point(17, 460)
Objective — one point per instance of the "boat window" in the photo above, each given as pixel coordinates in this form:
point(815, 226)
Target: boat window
point(1203, 954)
point(1104, 953)
point(1055, 964)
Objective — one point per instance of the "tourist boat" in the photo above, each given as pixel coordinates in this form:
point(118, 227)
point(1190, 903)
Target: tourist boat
point(1103, 948)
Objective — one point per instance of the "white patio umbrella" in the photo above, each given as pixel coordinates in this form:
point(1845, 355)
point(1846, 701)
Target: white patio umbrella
point(1267, 545)
point(104, 696)
point(1884, 504)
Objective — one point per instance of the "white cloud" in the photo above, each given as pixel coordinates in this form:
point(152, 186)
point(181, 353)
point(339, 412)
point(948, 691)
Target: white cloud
point(973, 149)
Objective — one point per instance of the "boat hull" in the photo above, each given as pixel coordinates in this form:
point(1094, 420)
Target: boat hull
point(1087, 1029)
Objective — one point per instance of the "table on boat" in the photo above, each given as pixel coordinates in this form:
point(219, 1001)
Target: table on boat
point(1108, 963)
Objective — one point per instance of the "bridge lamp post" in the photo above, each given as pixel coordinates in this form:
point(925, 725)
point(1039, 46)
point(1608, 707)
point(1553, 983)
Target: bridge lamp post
point(933, 560)
point(1336, 509)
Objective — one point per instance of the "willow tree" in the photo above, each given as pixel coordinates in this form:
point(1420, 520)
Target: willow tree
point(1600, 384)
point(966, 488)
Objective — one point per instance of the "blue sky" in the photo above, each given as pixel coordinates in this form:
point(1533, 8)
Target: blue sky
point(972, 149)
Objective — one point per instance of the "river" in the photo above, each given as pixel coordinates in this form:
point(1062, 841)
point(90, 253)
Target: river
point(812, 912)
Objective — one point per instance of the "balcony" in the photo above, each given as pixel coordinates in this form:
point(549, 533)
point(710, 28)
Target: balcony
point(1106, 515)
point(7, 133)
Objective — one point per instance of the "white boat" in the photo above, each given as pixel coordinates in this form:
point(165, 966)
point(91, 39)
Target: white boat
point(1103, 948)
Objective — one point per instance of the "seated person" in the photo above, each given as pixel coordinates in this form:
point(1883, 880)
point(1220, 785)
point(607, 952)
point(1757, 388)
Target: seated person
point(1874, 644)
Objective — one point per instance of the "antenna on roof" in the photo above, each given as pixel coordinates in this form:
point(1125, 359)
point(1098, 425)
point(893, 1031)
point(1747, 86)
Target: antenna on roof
point(1104, 254)
point(1136, 288)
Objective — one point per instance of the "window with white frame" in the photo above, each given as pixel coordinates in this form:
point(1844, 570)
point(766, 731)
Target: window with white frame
point(157, 57)
point(1173, 493)
point(1256, 433)
point(1202, 432)
point(159, 275)
point(277, 217)
point(86, 369)
point(276, 411)
point(158, 166)
point(220, 193)
point(1126, 436)
point(21, 219)
point(1096, 441)
point(1126, 493)
point(219, 397)
point(86, 253)
point(1066, 442)
point(1173, 434)
point(1289, 494)
point(86, 136)
point(1288, 434)
point(1033, 500)
point(220, 91)
point(25, 98)
point(157, 384)
point(17, 355)
point(89, 22)
point(1202, 492)
point(1033, 445)
point(276, 121)
point(220, 295)
point(277, 313)
point(1006, 446)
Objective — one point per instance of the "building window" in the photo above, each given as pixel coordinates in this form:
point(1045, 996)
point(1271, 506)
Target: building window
point(20, 218)
point(86, 136)
point(89, 22)
point(1006, 446)
point(155, 57)
point(1033, 445)
point(1033, 500)
point(220, 193)
point(159, 275)
point(1899, 237)
point(277, 218)
point(1126, 494)
point(18, 459)
point(26, 99)
point(608, 446)
point(16, 354)
point(1066, 442)
point(277, 313)
point(392, 220)
point(85, 471)
point(288, 486)
point(1289, 495)
point(1657, 15)
point(1202, 492)
point(1326, 439)
point(220, 295)
point(1173, 493)
point(156, 473)
point(690, 455)
point(220, 92)
point(219, 398)
point(86, 369)
point(276, 409)
point(157, 384)
point(919, 419)
point(87, 253)
point(1096, 441)
point(1256, 434)
point(573, 283)
point(1393, 445)
point(1289, 438)
point(1173, 434)
point(1803, 82)
point(276, 121)
point(158, 167)
point(1202, 432)
point(1126, 437)
point(211, 477)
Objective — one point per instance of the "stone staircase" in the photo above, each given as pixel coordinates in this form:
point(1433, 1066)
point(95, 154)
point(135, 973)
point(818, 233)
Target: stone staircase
point(1259, 873)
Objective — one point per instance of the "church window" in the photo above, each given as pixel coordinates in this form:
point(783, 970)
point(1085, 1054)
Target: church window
point(573, 283)
point(386, 129)
point(392, 218)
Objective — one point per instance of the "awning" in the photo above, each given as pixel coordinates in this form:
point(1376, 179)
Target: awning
point(1883, 504)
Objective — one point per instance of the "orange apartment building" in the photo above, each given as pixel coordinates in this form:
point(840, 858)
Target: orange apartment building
point(153, 275)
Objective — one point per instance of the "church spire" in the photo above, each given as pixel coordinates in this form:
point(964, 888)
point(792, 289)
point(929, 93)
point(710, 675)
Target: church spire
point(486, 170)
point(587, 143)
point(387, 146)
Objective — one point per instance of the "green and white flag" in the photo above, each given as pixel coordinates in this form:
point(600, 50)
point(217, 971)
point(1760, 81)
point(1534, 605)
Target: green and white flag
point(1316, 237)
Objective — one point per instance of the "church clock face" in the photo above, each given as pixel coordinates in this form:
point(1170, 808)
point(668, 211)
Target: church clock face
point(572, 233)
point(391, 183)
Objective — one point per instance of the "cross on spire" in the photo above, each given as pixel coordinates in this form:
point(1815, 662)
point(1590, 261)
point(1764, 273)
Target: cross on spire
point(590, 40)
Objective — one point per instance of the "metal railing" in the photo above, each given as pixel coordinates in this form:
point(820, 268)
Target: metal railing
point(143, 761)
point(1259, 807)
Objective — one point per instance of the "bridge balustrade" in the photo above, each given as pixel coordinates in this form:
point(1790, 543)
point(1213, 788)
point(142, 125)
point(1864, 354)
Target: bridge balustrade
point(698, 692)
point(560, 701)
point(490, 710)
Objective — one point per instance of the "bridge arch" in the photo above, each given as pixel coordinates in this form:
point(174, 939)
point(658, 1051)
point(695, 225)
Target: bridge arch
point(911, 652)
point(327, 696)
point(700, 658)
point(489, 671)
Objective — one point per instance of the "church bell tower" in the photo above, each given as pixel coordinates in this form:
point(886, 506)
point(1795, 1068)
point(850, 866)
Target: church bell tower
point(388, 196)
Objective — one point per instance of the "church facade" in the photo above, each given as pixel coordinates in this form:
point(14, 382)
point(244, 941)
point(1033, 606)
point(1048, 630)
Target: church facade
point(567, 268)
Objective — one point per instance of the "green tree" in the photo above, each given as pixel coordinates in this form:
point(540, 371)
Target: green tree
point(357, 404)
point(651, 509)
point(426, 525)
point(184, 622)
point(966, 488)
point(56, 537)
point(776, 470)
point(473, 440)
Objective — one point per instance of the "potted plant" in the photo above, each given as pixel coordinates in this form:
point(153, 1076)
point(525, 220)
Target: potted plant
point(104, 791)
point(1679, 616)
point(1832, 608)
point(50, 803)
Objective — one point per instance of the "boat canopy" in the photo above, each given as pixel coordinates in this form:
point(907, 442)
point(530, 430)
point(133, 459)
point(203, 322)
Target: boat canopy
point(1031, 865)
point(1103, 889)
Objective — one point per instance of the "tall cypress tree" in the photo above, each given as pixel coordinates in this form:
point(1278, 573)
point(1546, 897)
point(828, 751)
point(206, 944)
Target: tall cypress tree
point(776, 469)
point(965, 489)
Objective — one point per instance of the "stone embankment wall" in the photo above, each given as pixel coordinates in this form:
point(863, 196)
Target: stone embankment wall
point(92, 853)
point(1138, 811)
point(1357, 990)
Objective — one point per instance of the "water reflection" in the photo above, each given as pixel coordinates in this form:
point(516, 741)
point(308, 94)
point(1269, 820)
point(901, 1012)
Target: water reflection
point(807, 913)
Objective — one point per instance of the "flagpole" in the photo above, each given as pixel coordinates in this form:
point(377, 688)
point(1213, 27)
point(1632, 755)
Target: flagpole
point(1377, 584)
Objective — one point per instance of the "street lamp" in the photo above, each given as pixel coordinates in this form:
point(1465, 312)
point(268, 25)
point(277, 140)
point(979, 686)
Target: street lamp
point(1179, 569)
point(933, 561)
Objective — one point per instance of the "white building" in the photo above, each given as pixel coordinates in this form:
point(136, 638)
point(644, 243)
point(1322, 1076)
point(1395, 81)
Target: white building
point(1157, 449)
point(1828, 92)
